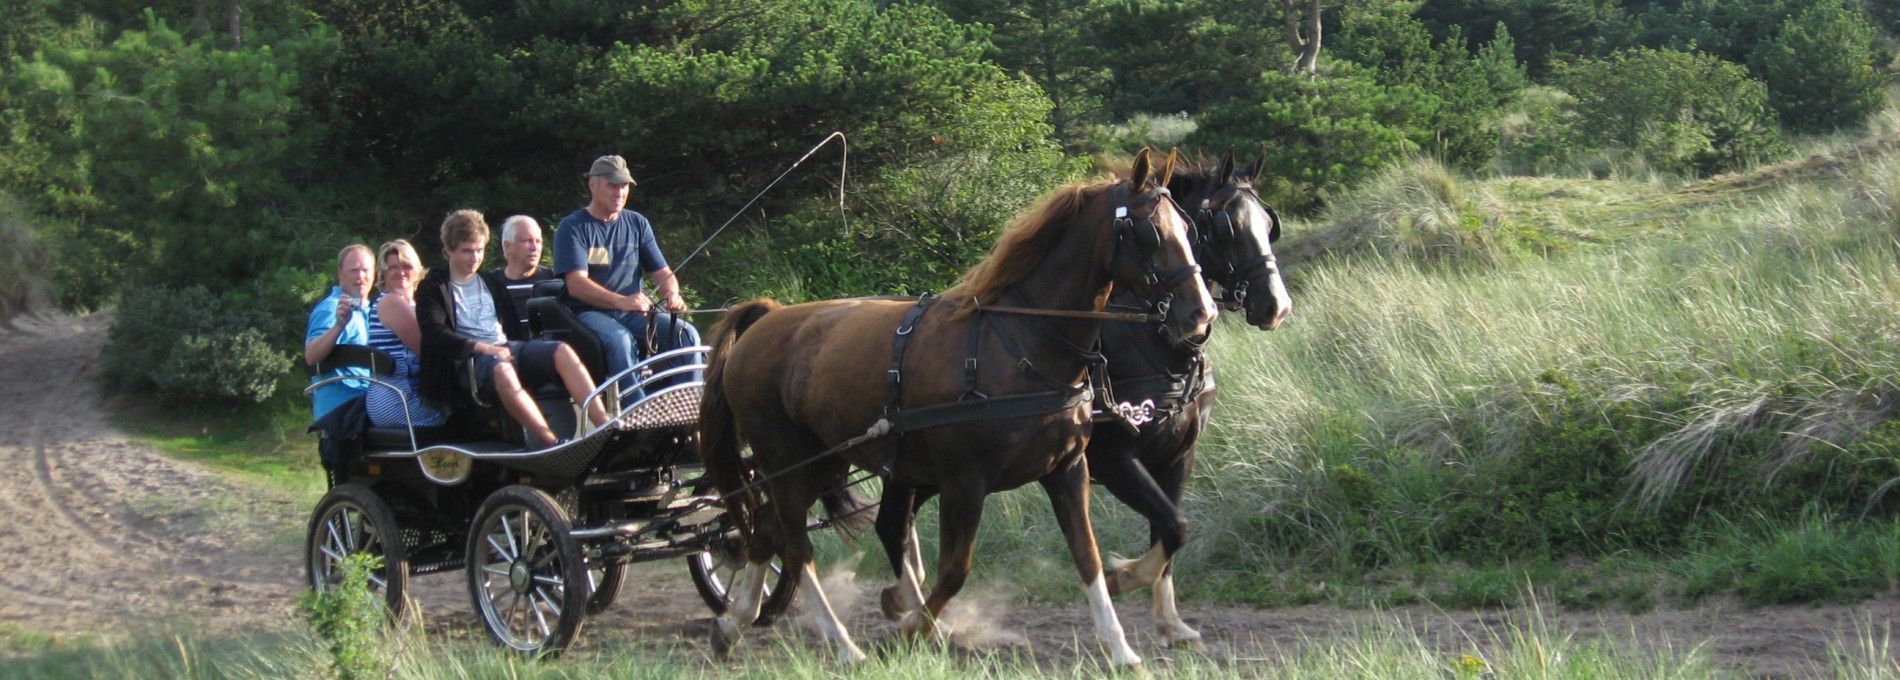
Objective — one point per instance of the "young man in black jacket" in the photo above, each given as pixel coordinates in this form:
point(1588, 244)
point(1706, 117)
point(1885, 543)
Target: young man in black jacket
point(466, 314)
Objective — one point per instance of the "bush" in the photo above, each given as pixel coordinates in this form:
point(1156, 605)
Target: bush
point(1328, 132)
point(189, 344)
point(1820, 69)
point(1685, 112)
point(22, 261)
point(348, 619)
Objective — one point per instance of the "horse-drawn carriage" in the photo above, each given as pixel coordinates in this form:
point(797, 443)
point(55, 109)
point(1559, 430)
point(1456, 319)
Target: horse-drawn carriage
point(544, 535)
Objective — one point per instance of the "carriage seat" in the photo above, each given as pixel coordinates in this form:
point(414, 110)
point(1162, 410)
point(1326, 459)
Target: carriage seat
point(549, 318)
point(381, 367)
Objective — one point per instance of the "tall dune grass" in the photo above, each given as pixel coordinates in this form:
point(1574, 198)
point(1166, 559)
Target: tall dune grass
point(1734, 359)
point(1753, 345)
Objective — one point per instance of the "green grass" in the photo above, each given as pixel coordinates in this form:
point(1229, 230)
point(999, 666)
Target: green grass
point(1525, 645)
point(261, 443)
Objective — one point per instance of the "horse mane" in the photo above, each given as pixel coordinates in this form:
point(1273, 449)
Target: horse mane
point(1023, 244)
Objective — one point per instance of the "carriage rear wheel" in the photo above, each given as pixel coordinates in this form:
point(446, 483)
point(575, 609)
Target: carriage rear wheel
point(714, 570)
point(605, 580)
point(526, 572)
point(352, 520)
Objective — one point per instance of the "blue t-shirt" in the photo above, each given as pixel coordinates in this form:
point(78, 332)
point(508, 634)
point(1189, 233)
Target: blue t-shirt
point(355, 332)
point(617, 254)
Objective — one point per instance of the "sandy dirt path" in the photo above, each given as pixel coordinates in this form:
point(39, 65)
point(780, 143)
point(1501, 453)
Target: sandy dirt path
point(100, 535)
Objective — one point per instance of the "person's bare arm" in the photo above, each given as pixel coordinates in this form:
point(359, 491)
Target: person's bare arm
point(667, 287)
point(319, 347)
point(400, 317)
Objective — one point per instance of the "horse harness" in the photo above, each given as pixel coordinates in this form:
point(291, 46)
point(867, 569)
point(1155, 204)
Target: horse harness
point(1215, 229)
point(974, 405)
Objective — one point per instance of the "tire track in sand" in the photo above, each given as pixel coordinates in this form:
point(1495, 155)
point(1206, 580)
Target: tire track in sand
point(102, 534)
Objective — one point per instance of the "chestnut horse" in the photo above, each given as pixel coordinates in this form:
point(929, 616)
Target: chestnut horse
point(802, 385)
point(1166, 385)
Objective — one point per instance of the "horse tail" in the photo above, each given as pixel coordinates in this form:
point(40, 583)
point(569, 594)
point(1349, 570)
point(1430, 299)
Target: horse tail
point(719, 439)
point(847, 511)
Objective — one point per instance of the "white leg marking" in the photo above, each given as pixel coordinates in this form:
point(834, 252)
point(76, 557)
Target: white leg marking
point(744, 596)
point(911, 587)
point(1147, 569)
point(1108, 629)
point(1168, 623)
point(828, 624)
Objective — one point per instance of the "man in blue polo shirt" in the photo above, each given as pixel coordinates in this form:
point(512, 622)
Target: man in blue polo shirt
point(341, 319)
point(605, 252)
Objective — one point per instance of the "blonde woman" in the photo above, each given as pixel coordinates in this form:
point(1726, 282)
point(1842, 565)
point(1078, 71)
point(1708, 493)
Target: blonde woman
point(393, 329)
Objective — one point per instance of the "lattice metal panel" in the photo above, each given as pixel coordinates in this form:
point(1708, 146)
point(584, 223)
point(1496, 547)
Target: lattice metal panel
point(675, 407)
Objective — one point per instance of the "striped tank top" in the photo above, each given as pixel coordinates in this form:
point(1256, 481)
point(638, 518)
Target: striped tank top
point(385, 405)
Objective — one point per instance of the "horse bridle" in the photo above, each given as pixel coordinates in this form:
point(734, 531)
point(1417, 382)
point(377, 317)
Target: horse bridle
point(1145, 236)
point(1214, 231)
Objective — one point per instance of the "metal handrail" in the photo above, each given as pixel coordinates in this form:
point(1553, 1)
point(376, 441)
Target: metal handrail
point(408, 420)
point(614, 379)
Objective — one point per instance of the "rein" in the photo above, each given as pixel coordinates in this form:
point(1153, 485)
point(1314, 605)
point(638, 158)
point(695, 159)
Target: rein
point(1130, 317)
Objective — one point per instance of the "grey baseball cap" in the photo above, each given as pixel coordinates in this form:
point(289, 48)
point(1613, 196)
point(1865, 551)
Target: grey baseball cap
point(614, 168)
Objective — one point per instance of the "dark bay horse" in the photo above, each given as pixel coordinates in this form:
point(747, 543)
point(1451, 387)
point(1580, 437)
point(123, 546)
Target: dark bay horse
point(797, 382)
point(1165, 384)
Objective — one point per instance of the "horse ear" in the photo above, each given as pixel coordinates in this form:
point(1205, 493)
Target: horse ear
point(1253, 173)
point(1226, 173)
point(1140, 174)
point(1167, 170)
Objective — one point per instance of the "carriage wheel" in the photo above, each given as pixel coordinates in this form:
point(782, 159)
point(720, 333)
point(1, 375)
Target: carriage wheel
point(605, 581)
point(526, 572)
point(714, 569)
point(352, 520)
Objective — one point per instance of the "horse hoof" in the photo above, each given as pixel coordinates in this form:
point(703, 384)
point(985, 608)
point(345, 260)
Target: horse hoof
point(722, 643)
point(1192, 644)
point(1181, 637)
point(888, 602)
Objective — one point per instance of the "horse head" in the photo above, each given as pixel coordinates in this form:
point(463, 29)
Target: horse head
point(1154, 257)
point(1233, 239)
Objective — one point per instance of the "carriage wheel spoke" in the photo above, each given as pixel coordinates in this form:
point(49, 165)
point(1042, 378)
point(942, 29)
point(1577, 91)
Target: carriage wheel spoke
point(336, 539)
point(508, 530)
point(499, 550)
point(541, 619)
point(379, 583)
point(495, 570)
point(349, 531)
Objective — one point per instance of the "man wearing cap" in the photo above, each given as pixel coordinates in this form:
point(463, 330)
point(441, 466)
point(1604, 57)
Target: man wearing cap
point(605, 252)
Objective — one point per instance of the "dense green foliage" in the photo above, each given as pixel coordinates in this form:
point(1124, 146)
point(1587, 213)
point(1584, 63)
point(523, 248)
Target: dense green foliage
point(1683, 111)
point(199, 177)
point(1820, 68)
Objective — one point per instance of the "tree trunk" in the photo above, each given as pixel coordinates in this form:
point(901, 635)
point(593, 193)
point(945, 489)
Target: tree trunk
point(235, 13)
point(1305, 46)
point(200, 19)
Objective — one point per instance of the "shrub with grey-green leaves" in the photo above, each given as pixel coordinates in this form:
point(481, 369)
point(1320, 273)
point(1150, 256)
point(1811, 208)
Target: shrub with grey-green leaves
point(188, 344)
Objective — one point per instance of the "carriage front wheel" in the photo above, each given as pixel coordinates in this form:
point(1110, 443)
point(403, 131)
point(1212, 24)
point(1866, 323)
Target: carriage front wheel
point(352, 520)
point(526, 572)
point(714, 570)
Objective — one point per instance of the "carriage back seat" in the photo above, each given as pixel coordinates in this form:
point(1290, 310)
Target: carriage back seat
point(383, 367)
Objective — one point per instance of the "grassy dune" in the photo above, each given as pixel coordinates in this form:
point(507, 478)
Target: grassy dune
point(1620, 390)
point(1521, 370)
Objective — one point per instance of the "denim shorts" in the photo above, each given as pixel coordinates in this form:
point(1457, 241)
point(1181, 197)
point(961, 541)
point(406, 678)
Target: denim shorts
point(534, 366)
